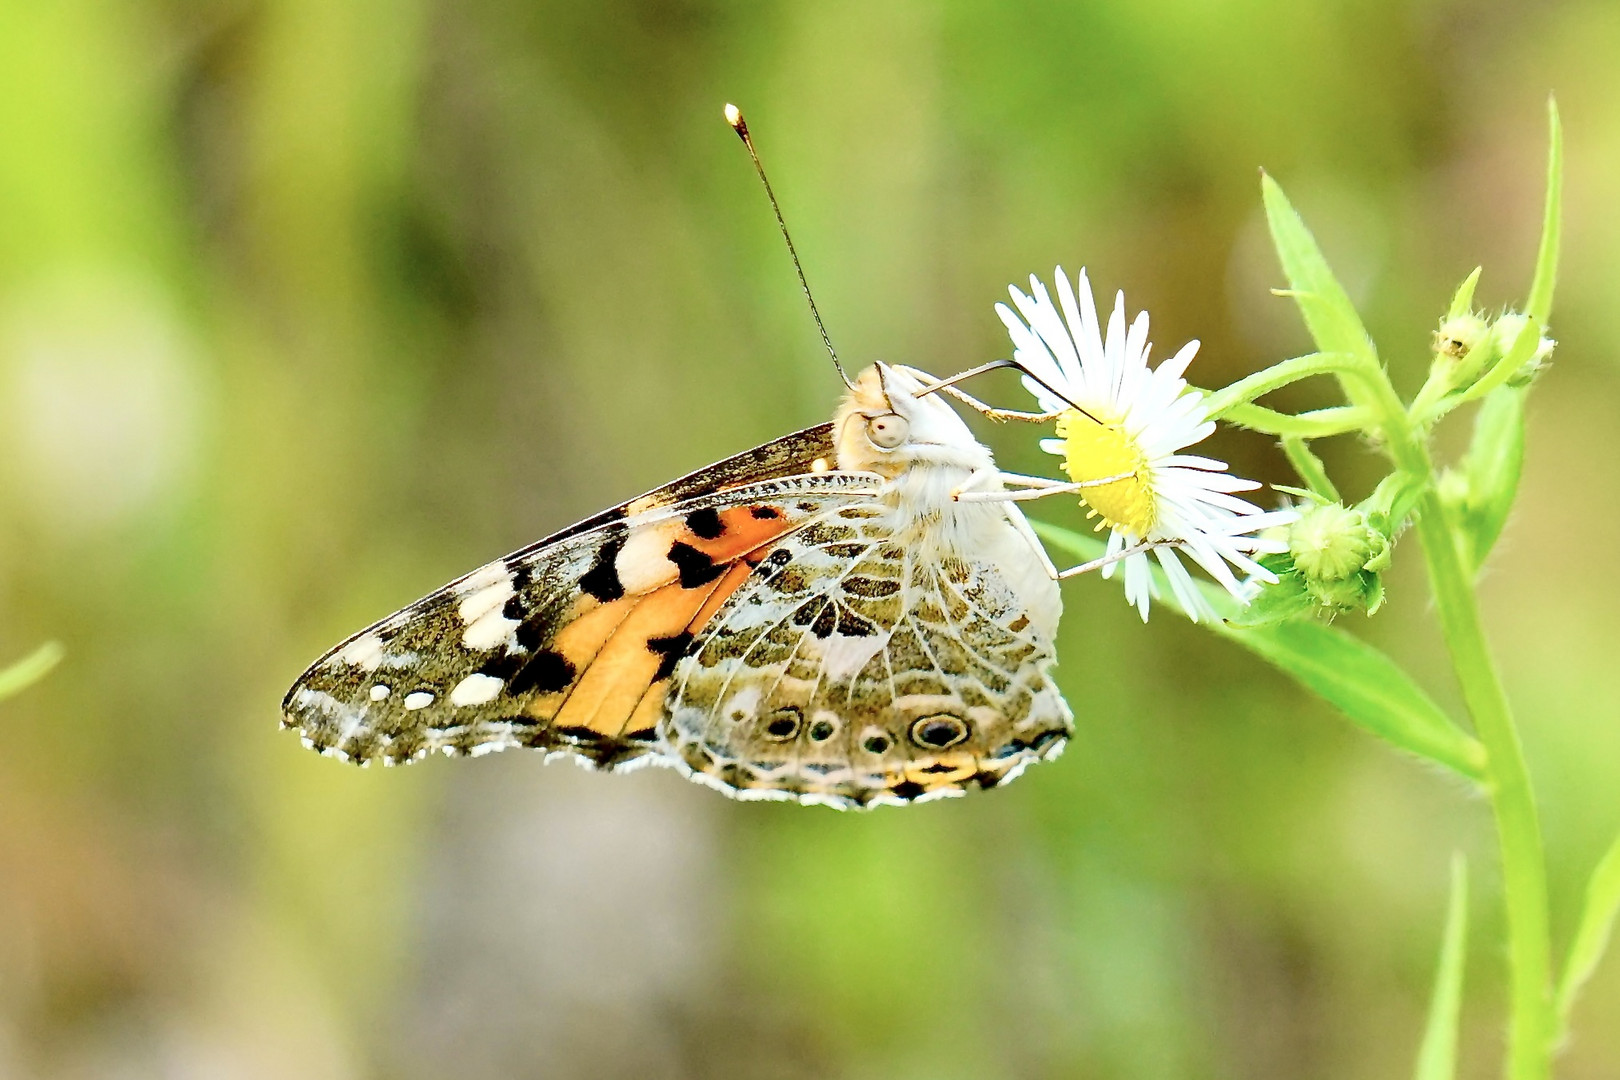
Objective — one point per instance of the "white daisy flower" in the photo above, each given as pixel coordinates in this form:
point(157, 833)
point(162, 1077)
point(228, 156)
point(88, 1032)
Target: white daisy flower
point(1135, 422)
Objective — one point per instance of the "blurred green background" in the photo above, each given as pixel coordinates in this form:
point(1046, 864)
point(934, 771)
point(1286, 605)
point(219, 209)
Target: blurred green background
point(307, 306)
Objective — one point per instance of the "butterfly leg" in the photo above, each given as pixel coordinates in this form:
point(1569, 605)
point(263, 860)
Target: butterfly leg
point(949, 386)
point(1118, 556)
point(1000, 414)
point(1034, 491)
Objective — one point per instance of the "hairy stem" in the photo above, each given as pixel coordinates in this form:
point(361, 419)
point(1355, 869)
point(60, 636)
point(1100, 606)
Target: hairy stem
point(1518, 827)
point(1275, 377)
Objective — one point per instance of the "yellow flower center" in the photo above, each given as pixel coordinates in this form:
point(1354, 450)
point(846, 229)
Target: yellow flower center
point(1094, 451)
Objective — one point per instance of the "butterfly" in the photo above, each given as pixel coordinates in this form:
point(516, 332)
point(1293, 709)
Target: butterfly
point(822, 618)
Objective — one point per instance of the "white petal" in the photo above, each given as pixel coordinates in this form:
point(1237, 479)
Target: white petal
point(1187, 594)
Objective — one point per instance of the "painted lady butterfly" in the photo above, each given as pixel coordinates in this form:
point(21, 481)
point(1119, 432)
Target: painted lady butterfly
point(819, 618)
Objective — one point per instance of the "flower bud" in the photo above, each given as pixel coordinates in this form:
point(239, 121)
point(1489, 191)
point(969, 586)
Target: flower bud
point(1329, 543)
point(1505, 331)
point(1458, 335)
point(1461, 351)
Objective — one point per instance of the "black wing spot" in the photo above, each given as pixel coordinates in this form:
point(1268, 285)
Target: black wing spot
point(706, 523)
point(670, 650)
point(696, 568)
point(530, 634)
point(822, 730)
point(870, 588)
point(764, 513)
point(826, 622)
point(875, 744)
point(602, 579)
point(506, 666)
point(546, 672)
point(852, 625)
point(908, 789)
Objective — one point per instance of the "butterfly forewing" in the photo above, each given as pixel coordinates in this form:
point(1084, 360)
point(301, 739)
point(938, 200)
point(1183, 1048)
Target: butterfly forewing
point(565, 645)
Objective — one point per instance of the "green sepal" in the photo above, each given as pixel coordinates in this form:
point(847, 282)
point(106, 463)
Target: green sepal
point(1289, 598)
point(1462, 301)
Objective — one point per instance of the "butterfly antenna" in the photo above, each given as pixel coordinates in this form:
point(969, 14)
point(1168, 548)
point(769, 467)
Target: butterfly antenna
point(734, 117)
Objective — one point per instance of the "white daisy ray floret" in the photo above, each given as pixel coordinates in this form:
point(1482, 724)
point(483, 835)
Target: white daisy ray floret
point(1135, 422)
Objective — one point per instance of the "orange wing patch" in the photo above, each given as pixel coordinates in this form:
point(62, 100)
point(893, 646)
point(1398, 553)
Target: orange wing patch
point(644, 601)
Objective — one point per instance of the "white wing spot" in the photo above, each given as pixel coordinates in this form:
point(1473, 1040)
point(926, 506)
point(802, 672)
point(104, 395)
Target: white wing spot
point(418, 699)
point(379, 692)
point(364, 652)
point(483, 577)
point(489, 630)
point(643, 563)
point(843, 656)
point(476, 689)
point(477, 603)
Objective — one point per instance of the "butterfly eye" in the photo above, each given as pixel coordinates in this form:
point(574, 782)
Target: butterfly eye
point(938, 732)
point(888, 430)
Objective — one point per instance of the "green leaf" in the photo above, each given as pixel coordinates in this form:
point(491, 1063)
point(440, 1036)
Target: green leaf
point(30, 669)
point(1539, 306)
point(1462, 301)
point(1367, 686)
point(1491, 471)
point(1326, 307)
point(1364, 684)
point(1437, 1057)
point(1592, 933)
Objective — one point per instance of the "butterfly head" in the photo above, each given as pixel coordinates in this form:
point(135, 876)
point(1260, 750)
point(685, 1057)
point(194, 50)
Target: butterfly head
point(886, 425)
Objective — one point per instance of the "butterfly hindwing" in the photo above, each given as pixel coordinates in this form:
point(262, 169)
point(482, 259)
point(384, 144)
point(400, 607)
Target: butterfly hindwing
point(852, 669)
point(565, 645)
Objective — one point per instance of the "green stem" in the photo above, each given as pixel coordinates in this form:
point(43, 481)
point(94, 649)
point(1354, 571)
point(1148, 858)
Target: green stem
point(1317, 424)
point(1275, 377)
point(1518, 828)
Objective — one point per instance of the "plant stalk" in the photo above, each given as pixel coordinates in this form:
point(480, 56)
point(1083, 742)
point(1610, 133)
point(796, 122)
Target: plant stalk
point(1518, 826)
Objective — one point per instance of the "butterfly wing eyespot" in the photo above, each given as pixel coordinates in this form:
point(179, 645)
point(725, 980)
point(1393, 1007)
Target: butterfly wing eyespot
point(888, 430)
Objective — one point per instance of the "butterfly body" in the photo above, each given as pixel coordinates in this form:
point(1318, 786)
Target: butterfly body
point(817, 619)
